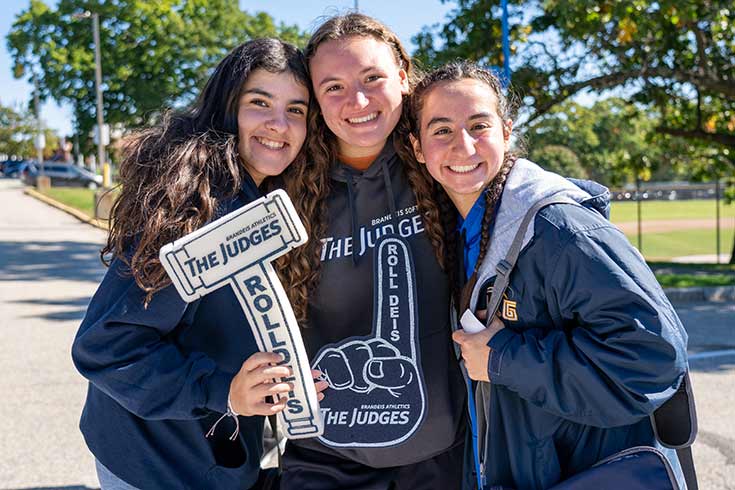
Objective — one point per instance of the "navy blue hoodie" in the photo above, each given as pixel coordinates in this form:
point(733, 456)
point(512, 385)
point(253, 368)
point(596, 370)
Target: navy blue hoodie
point(159, 379)
point(379, 325)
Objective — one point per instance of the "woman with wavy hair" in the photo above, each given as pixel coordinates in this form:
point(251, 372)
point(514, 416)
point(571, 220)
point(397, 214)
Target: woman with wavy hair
point(163, 372)
point(368, 287)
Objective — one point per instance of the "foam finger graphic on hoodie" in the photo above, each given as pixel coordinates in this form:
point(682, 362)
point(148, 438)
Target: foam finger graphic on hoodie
point(376, 381)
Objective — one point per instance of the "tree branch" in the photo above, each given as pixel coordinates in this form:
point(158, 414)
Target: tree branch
point(619, 78)
point(600, 83)
point(721, 138)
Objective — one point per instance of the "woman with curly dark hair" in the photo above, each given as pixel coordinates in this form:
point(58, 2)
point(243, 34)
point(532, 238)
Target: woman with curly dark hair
point(162, 372)
point(369, 288)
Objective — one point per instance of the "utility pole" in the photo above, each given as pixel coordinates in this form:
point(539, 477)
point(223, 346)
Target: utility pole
point(98, 86)
point(506, 41)
point(40, 137)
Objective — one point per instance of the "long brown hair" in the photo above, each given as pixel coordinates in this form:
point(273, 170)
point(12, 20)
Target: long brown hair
point(175, 174)
point(311, 183)
point(507, 105)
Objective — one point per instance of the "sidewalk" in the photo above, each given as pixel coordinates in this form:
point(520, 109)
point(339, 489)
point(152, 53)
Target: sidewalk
point(48, 271)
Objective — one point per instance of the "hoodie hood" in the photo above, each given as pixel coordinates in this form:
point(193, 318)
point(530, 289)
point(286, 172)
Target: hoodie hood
point(527, 184)
point(380, 168)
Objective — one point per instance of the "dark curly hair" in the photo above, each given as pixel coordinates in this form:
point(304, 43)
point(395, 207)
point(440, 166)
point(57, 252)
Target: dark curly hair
point(174, 175)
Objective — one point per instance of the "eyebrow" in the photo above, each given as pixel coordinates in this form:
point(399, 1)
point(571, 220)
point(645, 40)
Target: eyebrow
point(335, 79)
point(437, 120)
point(260, 91)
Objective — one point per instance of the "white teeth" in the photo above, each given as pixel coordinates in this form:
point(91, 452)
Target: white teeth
point(462, 169)
point(358, 120)
point(273, 145)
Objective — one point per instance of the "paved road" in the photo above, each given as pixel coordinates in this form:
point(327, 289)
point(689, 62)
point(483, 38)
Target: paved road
point(711, 328)
point(49, 269)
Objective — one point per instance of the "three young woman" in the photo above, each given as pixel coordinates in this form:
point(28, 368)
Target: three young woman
point(586, 346)
point(590, 349)
point(162, 371)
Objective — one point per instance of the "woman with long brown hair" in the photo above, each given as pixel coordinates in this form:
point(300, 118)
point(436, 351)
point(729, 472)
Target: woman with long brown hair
point(163, 372)
point(369, 288)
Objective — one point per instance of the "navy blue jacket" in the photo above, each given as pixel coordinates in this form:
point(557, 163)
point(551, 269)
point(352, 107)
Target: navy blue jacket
point(159, 379)
point(591, 346)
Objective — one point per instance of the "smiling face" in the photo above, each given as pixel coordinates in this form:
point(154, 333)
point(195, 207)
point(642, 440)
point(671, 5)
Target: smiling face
point(271, 122)
point(359, 87)
point(463, 140)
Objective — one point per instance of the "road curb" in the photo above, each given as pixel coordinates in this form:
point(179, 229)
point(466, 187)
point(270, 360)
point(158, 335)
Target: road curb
point(102, 225)
point(701, 294)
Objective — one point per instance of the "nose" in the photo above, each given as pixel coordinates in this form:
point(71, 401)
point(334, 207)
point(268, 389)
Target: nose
point(464, 143)
point(359, 99)
point(277, 123)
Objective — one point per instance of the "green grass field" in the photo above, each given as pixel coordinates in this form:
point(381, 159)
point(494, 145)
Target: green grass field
point(686, 241)
point(76, 197)
point(697, 241)
point(665, 210)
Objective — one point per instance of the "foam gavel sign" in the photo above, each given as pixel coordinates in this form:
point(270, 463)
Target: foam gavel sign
point(237, 250)
point(377, 396)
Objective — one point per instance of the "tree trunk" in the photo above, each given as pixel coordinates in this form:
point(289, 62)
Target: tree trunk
point(732, 254)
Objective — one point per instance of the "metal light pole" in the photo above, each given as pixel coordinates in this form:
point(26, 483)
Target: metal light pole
point(98, 85)
point(506, 41)
point(40, 137)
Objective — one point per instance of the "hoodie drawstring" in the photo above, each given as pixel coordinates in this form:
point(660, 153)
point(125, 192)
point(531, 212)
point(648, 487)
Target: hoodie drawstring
point(351, 182)
point(389, 190)
point(353, 216)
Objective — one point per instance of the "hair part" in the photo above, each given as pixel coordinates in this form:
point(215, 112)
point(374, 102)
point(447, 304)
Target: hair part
point(175, 174)
point(456, 71)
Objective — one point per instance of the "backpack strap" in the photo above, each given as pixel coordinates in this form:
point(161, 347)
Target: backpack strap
point(668, 420)
point(675, 426)
point(505, 266)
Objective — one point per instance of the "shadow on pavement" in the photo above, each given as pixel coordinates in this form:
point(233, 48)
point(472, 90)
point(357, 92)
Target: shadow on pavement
point(75, 308)
point(43, 261)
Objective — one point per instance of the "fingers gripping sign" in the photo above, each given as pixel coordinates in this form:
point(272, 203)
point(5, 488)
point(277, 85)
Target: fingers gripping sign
point(377, 394)
point(236, 251)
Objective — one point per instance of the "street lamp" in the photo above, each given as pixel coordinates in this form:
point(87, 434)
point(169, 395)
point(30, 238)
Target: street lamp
point(98, 84)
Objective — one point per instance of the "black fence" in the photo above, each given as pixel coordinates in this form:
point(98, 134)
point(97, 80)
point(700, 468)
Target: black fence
point(668, 191)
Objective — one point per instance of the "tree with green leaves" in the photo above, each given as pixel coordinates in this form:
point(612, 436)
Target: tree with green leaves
point(672, 58)
point(154, 54)
point(18, 129)
point(610, 141)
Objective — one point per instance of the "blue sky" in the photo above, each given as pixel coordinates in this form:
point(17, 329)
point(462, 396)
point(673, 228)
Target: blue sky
point(405, 17)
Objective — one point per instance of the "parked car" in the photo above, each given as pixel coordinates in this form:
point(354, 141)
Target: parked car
point(64, 174)
point(14, 168)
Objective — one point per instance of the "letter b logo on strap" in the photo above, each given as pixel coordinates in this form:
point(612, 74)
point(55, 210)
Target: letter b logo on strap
point(377, 395)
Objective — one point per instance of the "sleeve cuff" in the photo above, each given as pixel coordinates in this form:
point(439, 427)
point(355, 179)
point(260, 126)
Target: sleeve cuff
point(498, 344)
point(217, 391)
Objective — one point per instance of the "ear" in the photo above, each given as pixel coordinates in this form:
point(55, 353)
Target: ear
point(417, 149)
point(404, 81)
point(507, 131)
